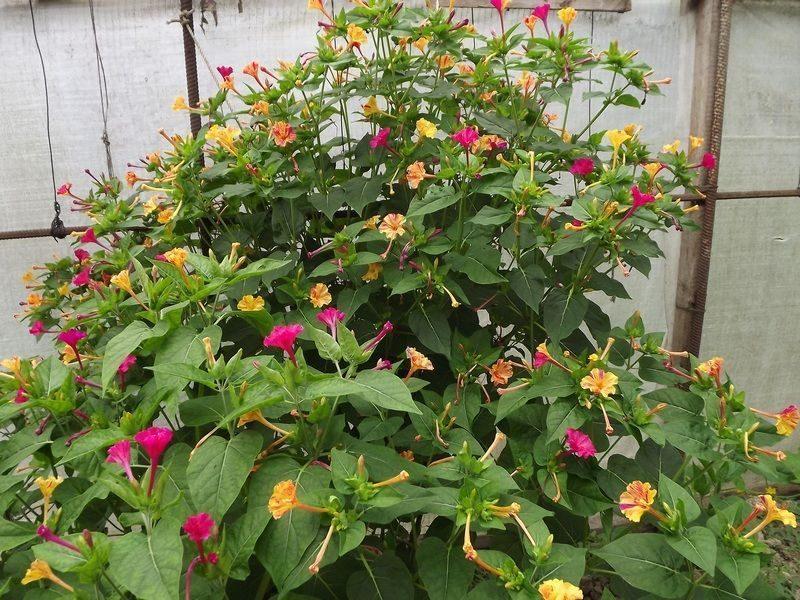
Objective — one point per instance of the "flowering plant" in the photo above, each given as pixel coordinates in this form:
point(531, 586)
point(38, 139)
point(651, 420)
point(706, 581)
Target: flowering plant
point(349, 342)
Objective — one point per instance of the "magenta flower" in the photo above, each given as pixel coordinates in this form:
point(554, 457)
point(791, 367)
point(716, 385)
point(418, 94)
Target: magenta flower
point(387, 327)
point(380, 139)
point(582, 166)
point(283, 337)
point(639, 198)
point(71, 337)
point(225, 71)
point(21, 397)
point(541, 12)
point(82, 255)
point(37, 328)
point(89, 237)
point(47, 535)
point(199, 528)
point(153, 440)
point(383, 364)
point(331, 317)
point(64, 189)
point(709, 161)
point(579, 444)
point(466, 137)
point(127, 364)
point(120, 454)
point(82, 278)
point(499, 5)
point(540, 359)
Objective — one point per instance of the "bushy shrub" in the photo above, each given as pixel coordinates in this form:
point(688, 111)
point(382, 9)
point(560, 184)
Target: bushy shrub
point(349, 342)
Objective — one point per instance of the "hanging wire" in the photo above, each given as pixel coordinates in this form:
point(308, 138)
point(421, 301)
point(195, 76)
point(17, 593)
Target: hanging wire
point(57, 229)
point(102, 84)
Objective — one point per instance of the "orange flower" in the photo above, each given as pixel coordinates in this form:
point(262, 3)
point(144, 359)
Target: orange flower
point(224, 136)
point(421, 44)
point(176, 256)
point(373, 272)
point(251, 69)
point(415, 174)
point(260, 108)
point(712, 367)
point(392, 226)
point(419, 362)
point(165, 216)
point(282, 133)
point(35, 300)
point(371, 223)
point(787, 420)
point(445, 62)
point(773, 512)
point(283, 499)
point(319, 295)
point(131, 178)
point(501, 372)
point(38, 570)
point(600, 382)
point(252, 416)
point(557, 589)
point(636, 500)
point(356, 35)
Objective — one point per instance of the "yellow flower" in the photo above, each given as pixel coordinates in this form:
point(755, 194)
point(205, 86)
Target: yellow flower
point(419, 362)
point(371, 223)
point(653, 168)
point(421, 44)
point(567, 15)
point(39, 570)
point(252, 416)
point(557, 589)
point(415, 174)
point(373, 272)
point(600, 382)
point(426, 129)
point(223, 136)
point(445, 62)
point(165, 216)
point(712, 367)
point(260, 108)
point(123, 281)
point(787, 420)
point(636, 500)
point(34, 300)
point(250, 303)
point(319, 295)
point(671, 148)
point(392, 226)
point(47, 485)
point(695, 142)
point(12, 364)
point(526, 82)
point(63, 289)
point(150, 205)
point(179, 103)
point(632, 129)
point(316, 5)
point(176, 256)
point(617, 137)
point(356, 35)
point(28, 277)
point(370, 107)
point(773, 513)
point(283, 499)
point(68, 355)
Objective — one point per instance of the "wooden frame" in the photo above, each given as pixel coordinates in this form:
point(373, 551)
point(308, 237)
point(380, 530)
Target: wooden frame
point(587, 5)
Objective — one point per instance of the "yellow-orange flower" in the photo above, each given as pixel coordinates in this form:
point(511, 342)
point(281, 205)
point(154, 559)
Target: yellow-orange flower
point(695, 142)
point(567, 15)
point(131, 178)
point(252, 416)
point(653, 168)
point(373, 272)
point(558, 589)
point(12, 364)
point(392, 226)
point(63, 289)
point(283, 499)
point(34, 300)
point(224, 136)
point(632, 129)
point(165, 215)
point(282, 133)
point(47, 485)
point(415, 174)
point(260, 108)
point(370, 107)
point(356, 35)
point(176, 256)
point(319, 295)
point(445, 62)
point(179, 103)
point(712, 367)
point(636, 500)
point(421, 44)
point(316, 5)
point(526, 82)
point(251, 69)
point(28, 277)
point(123, 281)
point(419, 362)
point(371, 223)
point(150, 205)
point(772, 513)
point(426, 129)
point(671, 148)
point(250, 303)
point(617, 137)
point(600, 382)
point(39, 570)
point(501, 372)
point(787, 420)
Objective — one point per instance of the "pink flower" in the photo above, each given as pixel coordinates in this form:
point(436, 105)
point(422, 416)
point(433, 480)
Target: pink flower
point(387, 327)
point(466, 137)
point(89, 237)
point(21, 397)
point(82, 255)
point(71, 337)
point(199, 527)
point(541, 12)
point(47, 535)
point(383, 364)
point(37, 328)
point(576, 223)
point(331, 316)
point(709, 161)
point(582, 166)
point(380, 139)
point(579, 444)
point(499, 5)
point(225, 71)
point(640, 199)
point(126, 364)
point(120, 453)
point(82, 278)
point(64, 190)
point(212, 558)
point(283, 337)
point(153, 440)
point(540, 359)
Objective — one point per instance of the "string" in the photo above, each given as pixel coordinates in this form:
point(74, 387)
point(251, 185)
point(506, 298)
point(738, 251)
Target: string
point(102, 84)
point(57, 229)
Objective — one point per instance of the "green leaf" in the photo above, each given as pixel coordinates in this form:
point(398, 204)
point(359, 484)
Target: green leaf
point(562, 313)
point(240, 541)
point(479, 269)
point(361, 191)
point(15, 533)
point(674, 494)
point(380, 388)
point(325, 344)
point(434, 200)
point(739, 567)
point(431, 328)
point(219, 469)
point(646, 562)
point(385, 578)
point(697, 544)
point(564, 414)
point(149, 567)
point(124, 343)
point(528, 282)
point(95, 440)
point(680, 399)
point(181, 374)
point(184, 345)
point(443, 569)
point(50, 374)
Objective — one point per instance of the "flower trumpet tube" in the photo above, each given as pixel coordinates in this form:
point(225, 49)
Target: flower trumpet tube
point(399, 478)
point(385, 330)
point(471, 554)
point(47, 485)
point(47, 535)
point(313, 568)
point(497, 445)
point(785, 421)
point(773, 513)
point(284, 499)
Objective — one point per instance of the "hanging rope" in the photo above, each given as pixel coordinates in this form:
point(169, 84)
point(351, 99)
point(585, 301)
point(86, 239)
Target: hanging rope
point(102, 84)
point(57, 229)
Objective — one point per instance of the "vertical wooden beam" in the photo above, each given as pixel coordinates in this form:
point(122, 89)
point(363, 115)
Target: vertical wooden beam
point(190, 62)
point(712, 39)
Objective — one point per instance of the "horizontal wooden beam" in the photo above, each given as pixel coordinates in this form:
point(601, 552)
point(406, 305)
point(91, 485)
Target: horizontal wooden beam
point(587, 5)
